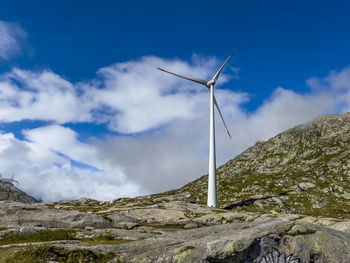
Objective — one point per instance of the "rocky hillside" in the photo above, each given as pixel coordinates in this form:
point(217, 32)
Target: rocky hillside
point(286, 200)
point(304, 170)
point(8, 192)
point(128, 230)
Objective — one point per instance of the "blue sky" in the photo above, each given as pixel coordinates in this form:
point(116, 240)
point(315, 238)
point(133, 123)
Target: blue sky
point(277, 42)
point(69, 68)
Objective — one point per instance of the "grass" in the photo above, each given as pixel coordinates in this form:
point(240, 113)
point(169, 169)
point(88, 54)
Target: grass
point(46, 253)
point(104, 240)
point(7, 252)
point(240, 187)
point(3, 228)
point(40, 236)
point(164, 226)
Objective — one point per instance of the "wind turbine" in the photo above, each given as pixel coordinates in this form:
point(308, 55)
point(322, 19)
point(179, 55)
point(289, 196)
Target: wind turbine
point(212, 200)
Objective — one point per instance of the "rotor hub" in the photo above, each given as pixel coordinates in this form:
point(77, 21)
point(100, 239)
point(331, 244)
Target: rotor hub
point(210, 83)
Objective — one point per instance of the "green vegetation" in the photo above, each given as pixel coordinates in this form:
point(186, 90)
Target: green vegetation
point(57, 254)
point(104, 239)
point(40, 236)
point(266, 176)
point(164, 226)
point(7, 252)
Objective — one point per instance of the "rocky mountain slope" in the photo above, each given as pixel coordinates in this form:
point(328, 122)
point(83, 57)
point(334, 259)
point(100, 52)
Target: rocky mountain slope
point(304, 170)
point(127, 230)
point(8, 192)
point(285, 200)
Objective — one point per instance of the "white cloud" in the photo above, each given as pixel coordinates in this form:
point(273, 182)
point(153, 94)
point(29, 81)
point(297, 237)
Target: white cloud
point(131, 97)
point(143, 98)
point(11, 35)
point(169, 116)
point(50, 176)
point(40, 96)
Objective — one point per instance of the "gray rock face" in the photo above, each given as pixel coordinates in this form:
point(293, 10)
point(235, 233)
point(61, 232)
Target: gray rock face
point(251, 242)
point(182, 232)
point(8, 192)
point(13, 215)
point(305, 186)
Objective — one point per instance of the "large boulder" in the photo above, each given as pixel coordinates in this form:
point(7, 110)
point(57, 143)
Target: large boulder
point(259, 242)
point(14, 214)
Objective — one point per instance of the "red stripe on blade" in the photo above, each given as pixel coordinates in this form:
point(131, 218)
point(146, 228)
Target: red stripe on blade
point(229, 134)
point(161, 69)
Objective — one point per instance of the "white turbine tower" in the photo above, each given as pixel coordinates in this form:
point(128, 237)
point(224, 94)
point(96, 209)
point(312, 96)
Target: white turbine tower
point(212, 190)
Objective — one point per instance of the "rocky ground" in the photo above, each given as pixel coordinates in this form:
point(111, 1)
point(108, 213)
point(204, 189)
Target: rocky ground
point(127, 230)
point(283, 200)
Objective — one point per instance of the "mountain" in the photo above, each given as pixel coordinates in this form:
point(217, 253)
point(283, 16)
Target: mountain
point(304, 170)
point(8, 192)
point(283, 200)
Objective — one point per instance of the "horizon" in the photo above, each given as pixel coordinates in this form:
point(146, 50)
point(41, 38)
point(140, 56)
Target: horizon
point(85, 113)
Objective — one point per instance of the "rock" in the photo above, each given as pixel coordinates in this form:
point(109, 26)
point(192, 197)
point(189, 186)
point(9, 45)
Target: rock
point(297, 230)
point(258, 196)
point(259, 204)
point(346, 195)
point(190, 226)
point(341, 226)
point(120, 220)
point(305, 186)
point(28, 230)
point(13, 214)
point(339, 188)
point(8, 192)
point(316, 206)
point(242, 242)
point(131, 225)
point(277, 201)
point(203, 235)
point(308, 219)
point(325, 190)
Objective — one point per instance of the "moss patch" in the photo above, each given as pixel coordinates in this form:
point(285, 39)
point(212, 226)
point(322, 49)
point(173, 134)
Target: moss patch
point(58, 254)
point(104, 239)
point(40, 236)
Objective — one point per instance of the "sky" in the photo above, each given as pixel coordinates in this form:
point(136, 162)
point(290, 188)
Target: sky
point(85, 113)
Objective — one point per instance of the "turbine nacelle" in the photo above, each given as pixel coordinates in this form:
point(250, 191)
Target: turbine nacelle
point(211, 83)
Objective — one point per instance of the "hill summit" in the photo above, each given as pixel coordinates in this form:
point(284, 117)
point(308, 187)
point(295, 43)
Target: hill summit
point(304, 170)
point(9, 192)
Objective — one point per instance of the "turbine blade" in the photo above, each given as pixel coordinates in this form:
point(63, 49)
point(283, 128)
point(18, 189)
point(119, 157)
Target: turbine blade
point(216, 76)
point(222, 118)
point(200, 81)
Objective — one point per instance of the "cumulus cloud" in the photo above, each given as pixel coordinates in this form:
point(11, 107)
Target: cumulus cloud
point(11, 35)
point(336, 85)
point(41, 95)
point(50, 165)
point(131, 97)
point(143, 98)
point(162, 124)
